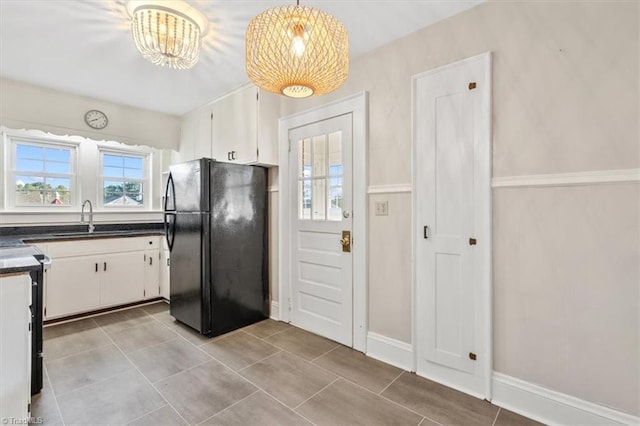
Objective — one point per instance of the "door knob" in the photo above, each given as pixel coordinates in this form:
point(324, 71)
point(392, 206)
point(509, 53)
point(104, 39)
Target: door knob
point(345, 241)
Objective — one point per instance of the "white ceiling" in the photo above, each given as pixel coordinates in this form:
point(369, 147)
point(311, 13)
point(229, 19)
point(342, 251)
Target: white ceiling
point(85, 46)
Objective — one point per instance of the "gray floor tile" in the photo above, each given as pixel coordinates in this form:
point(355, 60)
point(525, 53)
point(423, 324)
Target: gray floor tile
point(239, 350)
point(344, 403)
point(359, 368)
point(141, 336)
point(44, 408)
point(165, 416)
point(288, 378)
point(257, 409)
point(509, 418)
point(165, 359)
point(201, 392)
point(266, 328)
point(440, 403)
point(302, 343)
point(156, 308)
point(122, 320)
point(64, 329)
point(117, 400)
point(187, 332)
point(71, 343)
point(85, 368)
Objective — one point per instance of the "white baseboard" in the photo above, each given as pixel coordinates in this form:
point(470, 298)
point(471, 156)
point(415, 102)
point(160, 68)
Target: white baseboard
point(551, 407)
point(274, 313)
point(391, 351)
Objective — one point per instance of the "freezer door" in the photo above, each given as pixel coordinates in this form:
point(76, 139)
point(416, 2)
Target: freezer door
point(190, 276)
point(239, 294)
point(190, 186)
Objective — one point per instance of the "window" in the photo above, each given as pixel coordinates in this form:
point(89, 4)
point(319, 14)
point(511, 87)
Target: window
point(43, 174)
point(123, 179)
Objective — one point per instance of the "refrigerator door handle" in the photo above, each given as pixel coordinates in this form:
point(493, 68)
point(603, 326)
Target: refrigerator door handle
point(169, 194)
point(169, 229)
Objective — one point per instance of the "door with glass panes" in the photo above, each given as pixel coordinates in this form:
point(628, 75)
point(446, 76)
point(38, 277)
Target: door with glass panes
point(321, 181)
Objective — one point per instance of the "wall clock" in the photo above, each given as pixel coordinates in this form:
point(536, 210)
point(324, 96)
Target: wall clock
point(96, 119)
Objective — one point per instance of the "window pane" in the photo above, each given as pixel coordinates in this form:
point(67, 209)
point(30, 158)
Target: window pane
point(122, 166)
point(304, 202)
point(335, 153)
point(305, 158)
point(113, 172)
point(123, 193)
point(58, 154)
point(27, 151)
point(112, 160)
point(56, 167)
point(133, 162)
point(319, 147)
point(29, 165)
point(318, 200)
point(133, 173)
point(335, 199)
point(38, 191)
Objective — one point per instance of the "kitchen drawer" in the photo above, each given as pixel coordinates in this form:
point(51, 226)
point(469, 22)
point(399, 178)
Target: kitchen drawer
point(101, 246)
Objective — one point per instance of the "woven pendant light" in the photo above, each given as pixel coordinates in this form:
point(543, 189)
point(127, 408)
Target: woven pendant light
point(297, 51)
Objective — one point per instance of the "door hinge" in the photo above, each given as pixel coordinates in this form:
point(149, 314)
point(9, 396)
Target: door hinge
point(472, 85)
point(472, 241)
point(472, 356)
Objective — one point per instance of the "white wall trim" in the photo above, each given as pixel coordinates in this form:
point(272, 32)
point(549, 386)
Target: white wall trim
point(568, 179)
point(552, 407)
point(391, 351)
point(275, 310)
point(389, 189)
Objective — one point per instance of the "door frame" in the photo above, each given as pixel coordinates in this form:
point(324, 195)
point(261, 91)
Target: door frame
point(483, 224)
point(357, 106)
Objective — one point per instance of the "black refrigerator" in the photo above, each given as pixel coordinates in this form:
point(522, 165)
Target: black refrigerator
point(216, 229)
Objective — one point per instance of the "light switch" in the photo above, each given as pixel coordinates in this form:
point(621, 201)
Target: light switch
point(382, 208)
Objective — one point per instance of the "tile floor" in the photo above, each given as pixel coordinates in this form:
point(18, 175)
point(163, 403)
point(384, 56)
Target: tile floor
point(141, 367)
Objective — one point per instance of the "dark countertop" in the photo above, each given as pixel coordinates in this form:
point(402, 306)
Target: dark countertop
point(17, 252)
point(18, 259)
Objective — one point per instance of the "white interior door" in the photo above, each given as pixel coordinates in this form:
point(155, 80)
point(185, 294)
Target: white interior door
point(450, 236)
point(320, 185)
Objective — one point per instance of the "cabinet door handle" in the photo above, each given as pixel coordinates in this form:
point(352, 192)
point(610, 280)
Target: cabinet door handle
point(233, 155)
point(105, 266)
point(150, 260)
point(229, 155)
point(96, 266)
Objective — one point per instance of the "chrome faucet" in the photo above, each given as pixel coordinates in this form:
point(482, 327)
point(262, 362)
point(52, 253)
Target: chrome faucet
point(91, 227)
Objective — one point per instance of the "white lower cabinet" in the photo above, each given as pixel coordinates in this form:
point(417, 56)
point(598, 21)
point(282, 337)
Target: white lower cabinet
point(165, 275)
point(86, 275)
point(15, 348)
point(152, 274)
point(122, 278)
point(73, 285)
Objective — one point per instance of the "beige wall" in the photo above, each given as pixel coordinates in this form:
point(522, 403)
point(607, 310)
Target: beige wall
point(24, 106)
point(565, 99)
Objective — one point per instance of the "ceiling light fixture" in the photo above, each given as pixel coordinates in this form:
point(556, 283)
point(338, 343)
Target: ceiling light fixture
point(297, 51)
point(167, 32)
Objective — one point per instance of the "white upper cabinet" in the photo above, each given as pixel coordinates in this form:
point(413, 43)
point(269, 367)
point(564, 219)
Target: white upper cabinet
point(195, 134)
point(240, 127)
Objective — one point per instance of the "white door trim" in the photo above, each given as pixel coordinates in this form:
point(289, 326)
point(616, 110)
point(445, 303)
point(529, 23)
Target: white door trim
point(356, 105)
point(483, 220)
